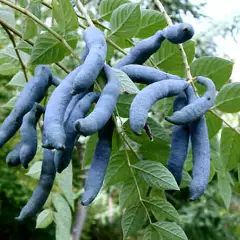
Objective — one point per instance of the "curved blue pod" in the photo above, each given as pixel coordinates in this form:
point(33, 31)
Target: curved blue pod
point(43, 189)
point(33, 91)
point(104, 107)
point(146, 75)
point(142, 50)
point(179, 142)
point(95, 57)
point(55, 110)
point(99, 164)
point(143, 101)
point(197, 108)
point(178, 33)
point(56, 81)
point(63, 157)
point(200, 150)
point(29, 135)
point(13, 158)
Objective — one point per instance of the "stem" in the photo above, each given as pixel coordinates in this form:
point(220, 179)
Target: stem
point(184, 56)
point(84, 12)
point(35, 19)
point(17, 33)
point(226, 123)
point(138, 190)
point(11, 37)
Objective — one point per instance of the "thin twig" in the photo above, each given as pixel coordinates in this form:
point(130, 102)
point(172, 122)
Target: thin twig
point(82, 9)
point(35, 19)
point(11, 37)
point(136, 184)
point(226, 123)
point(184, 56)
point(17, 33)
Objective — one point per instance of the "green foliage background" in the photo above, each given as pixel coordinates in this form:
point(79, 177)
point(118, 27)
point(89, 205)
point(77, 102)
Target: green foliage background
point(134, 190)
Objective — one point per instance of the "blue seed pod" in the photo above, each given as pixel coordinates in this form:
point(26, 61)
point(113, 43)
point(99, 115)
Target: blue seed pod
point(13, 158)
point(142, 50)
point(198, 108)
point(55, 110)
point(42, 191)
point(56, 81)
point(179, 143)
point(146, 75)
point(178, 33)
point(33, 91)
point(29, 135)
point(148, 96)
point(62, 158)
point(99, 164)
point(200, 150)
point(94, 61)
point(104, 107)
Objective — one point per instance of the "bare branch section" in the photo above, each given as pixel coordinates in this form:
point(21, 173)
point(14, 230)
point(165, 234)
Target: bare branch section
point(11, 37)
point(84, 12)
point(184, 56)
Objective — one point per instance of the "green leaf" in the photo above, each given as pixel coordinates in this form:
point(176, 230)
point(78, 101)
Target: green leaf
point(110, 52)
point(228, 99)
point(65, 15)
point(107, 7)
point(157, 193)
point(63, 217)
point(25, 47)
point(239, 173)
point(160, 135)
point(44, 219)
point(121, 41)
point(11, 102)
point(23, 3)
point(47, 49)
point(186, 179)
point(170, 231)
point(217, 69)
point(212, 171)
point(123, 104)
point(8, 69)
point(151, 22)
point(4, 39)
point(225, 190)
point(125, 20)
point(151, 233)
point(35, 170)
point(214, 124)
point(9, 55)
point(118, 169)
point(161, 208)
point(64, 181)
point(168, 58)
point(7, 15)
point(30, 29)
point(35, 7)
point(127, 85)
point(128, 194)
point(133, 219)
point(18, 80)
point(157, 151)
point(89, 150)
point(156, 175)
point(230, 149)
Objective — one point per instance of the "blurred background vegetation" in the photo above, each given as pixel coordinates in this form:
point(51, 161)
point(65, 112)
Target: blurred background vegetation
point(206, 219)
